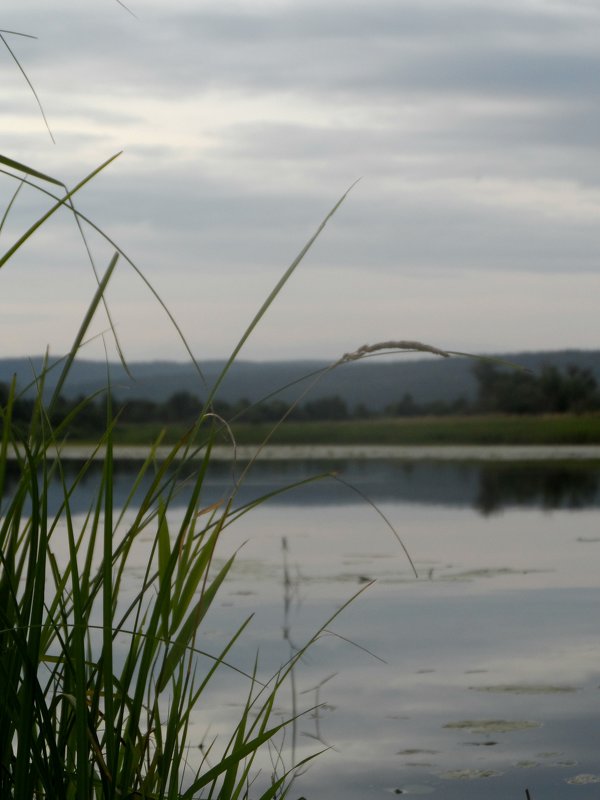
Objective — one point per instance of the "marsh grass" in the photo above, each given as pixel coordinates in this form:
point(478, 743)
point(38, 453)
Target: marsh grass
point(75, 723)
point(100, 688)
point(82, 716)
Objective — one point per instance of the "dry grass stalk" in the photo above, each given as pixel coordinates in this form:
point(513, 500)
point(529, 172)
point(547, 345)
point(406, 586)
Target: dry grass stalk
point(402, 344)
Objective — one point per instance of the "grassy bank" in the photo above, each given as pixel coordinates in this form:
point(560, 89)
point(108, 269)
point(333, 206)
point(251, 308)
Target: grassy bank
point(563, 429)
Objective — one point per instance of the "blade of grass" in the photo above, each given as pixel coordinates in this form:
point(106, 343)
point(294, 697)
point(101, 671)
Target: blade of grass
point(190, 626)
point(107, 594)
point(131, 263)
point(32, 609)
point(61, 202)
point(77, 659)
point(30, 84)
point(273, 294)
point(17, 165)
point(89, 315)
point(6, 419)
point(10, 204)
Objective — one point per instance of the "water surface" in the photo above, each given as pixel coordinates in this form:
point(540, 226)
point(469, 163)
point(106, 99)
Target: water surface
point(492, 656)
point(478, 678)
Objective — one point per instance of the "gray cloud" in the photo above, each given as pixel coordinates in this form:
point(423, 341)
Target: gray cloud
point(518, 49)
point(475, 127)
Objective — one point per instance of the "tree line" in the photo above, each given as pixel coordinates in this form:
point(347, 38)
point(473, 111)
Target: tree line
point(508, 390)
point(88, 416)
point(573, 390)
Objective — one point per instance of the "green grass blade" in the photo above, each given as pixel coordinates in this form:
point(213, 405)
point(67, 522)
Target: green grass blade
point(107, 596)
point(61, 202)
point(136, 269)
point(234, 758)
point(77, 659)
point(275, 789)
point(273, 294)
point(10, 204)
point(30, 84)
point(190, 626)
point(89, 315)
point(16, 165)
point(164, 558)
point(6, 420)
point(31, 615)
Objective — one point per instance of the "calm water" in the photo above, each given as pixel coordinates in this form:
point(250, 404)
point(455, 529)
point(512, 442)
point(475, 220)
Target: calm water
point(477, 679)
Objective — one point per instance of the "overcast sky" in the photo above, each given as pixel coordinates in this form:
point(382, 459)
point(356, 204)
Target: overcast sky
point(474, 128)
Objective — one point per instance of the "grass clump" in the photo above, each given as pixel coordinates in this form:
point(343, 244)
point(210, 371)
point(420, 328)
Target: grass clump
point(99, 686)
point(99, 689)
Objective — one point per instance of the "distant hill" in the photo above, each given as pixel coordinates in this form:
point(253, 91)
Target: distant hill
point(373, 382)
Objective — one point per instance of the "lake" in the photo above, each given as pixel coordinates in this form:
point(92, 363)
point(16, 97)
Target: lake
point(479, 678)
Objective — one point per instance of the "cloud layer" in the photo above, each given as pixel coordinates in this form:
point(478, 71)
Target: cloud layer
point(473, 126)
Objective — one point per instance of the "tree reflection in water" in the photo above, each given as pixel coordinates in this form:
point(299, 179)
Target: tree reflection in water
point(543, 485)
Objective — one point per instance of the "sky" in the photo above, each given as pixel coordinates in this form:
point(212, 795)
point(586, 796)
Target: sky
point(471, 126)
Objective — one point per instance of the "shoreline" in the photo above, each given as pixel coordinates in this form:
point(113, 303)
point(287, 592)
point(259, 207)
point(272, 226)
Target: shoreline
point(321, 452)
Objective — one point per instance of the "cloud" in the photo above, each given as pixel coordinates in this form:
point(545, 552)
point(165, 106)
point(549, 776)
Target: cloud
point(474, 126)
point(386, 47)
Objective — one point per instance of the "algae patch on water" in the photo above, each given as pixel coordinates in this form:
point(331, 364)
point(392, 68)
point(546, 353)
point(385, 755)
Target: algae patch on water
point(469, 774)
point(516, 688)
point(492, 725)
point(487, 572)
point(583, 779)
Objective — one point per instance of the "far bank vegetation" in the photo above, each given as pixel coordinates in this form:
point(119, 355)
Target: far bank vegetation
point(503, 396)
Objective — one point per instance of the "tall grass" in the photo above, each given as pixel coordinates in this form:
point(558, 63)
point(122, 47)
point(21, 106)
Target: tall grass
point(98, 688)
point(80, 718)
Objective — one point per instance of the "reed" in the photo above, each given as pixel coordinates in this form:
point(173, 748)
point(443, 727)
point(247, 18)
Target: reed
point(99, 688)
